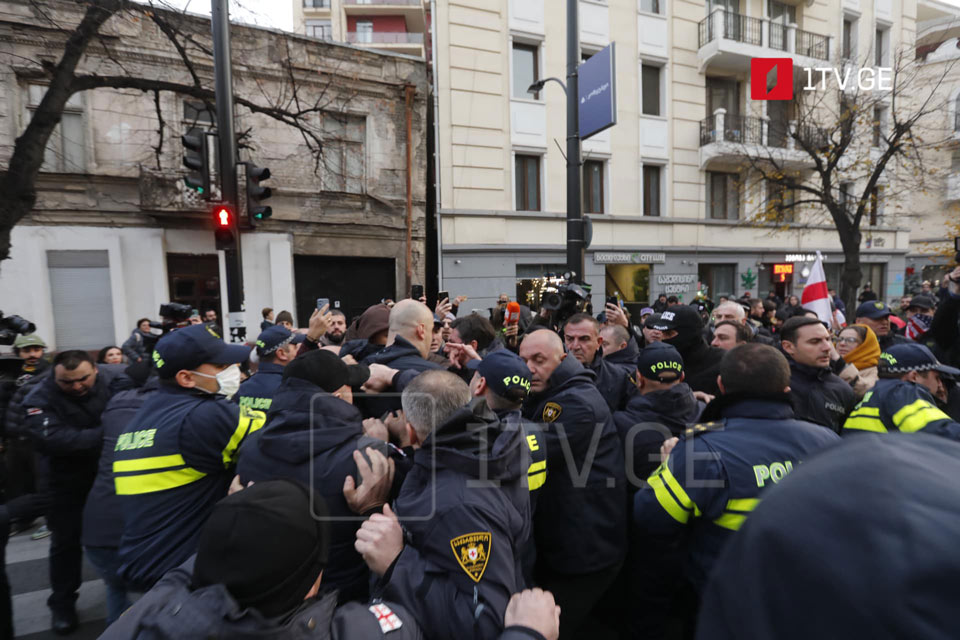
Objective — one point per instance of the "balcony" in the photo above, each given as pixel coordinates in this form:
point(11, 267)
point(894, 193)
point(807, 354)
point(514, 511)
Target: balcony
point(730, 141)
point(411, 10)
point(397, 42)
point(729, 40)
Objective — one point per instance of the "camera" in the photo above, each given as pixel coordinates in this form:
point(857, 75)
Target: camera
point(176, 311)
point(565, 300)
point(11, 326)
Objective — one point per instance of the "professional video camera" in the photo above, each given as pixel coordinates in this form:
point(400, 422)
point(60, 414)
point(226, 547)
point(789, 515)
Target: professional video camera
point(174, 315)
point(564, 300)
point(11, 326)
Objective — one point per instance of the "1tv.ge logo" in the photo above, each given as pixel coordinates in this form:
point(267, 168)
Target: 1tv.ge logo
point(772, 78)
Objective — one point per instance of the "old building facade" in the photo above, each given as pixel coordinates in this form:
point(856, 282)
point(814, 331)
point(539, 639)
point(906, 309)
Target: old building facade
point(115, 233)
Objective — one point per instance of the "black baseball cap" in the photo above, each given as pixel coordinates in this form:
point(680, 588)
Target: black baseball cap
point(192, 346)
point(904, 358)
point(660, 361)
point(272, 338)
point(680, 318)
point(873, 309)
point(324, 369)
point(503, 371)
point(922, 302)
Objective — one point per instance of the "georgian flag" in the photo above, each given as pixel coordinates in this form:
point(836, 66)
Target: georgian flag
point(815, 296)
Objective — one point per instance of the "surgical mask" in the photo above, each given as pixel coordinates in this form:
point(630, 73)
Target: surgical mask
point(228, 380)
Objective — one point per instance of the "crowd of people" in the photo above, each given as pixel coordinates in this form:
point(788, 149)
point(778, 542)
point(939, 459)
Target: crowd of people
point(417, 472)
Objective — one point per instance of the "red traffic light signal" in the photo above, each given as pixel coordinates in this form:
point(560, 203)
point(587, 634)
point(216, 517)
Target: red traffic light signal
point(223, 217)
point(224, 227)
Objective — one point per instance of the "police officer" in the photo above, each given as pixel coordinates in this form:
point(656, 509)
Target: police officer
point(466, 510)
point(581, 336)
point(904, 398)
point(63, 418)
point(577, 423)
point(276, 347)
point(876, 315)
point(175, 458)
point(259, 572)
point(716, 473)
point(663, 407)
point(311, 437)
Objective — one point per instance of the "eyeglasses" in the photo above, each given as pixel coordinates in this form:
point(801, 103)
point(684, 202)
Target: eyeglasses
point(849, 340)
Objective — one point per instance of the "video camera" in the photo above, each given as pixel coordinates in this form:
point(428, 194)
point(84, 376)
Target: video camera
point(12, 326)
point(564, 300)
point(174, 315)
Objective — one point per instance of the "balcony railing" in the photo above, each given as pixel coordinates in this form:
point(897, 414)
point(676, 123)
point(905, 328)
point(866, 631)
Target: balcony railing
point(384, 37)
point(739, 28)
point(724, 127)
point(402, 3)
point(316, 4)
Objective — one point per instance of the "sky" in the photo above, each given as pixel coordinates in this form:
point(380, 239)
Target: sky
point(277, 14)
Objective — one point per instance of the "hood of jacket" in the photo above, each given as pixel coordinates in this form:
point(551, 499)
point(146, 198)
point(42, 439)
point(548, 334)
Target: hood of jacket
point(401, 348)
point(475, 441)
point(776, 406)
point(676, 407)
point(568, 373)
point(627, 355)
point(304, 420)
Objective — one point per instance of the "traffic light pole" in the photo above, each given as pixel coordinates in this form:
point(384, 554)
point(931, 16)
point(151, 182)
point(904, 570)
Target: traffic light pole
point(575, 231)
point(227, 157)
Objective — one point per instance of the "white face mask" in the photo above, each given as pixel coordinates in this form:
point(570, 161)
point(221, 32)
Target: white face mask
point(228, 380)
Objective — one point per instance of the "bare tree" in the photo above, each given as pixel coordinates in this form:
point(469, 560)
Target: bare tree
point(88, 61)
point(848, 154)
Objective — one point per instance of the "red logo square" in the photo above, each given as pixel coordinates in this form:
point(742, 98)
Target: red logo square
point(760, 76)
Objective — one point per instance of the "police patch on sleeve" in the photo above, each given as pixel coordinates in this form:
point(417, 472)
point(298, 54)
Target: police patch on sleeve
point(472, 550)
point(388, 619)
point(551, 412)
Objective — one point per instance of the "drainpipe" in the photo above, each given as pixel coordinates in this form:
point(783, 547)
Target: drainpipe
point(436, 138)
point(409, 89)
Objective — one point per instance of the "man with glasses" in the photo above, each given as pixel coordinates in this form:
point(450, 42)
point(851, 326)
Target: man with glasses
point(63, 418)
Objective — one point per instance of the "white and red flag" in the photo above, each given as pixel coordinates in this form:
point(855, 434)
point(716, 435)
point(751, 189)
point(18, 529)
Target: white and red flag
point(815, 296)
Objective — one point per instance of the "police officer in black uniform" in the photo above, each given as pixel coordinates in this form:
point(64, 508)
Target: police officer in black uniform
point(580, 527)
point(714, 476)
point(175, 458)
point(63, 419)
point(276, 347)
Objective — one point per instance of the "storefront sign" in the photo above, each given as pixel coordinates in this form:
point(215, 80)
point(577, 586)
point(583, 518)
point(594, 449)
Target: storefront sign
point(676, 283)
point(781, 271)
point(629, 258)
point(802, 257)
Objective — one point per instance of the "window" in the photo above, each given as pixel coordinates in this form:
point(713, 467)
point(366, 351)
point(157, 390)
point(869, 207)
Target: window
point(881, 46)
point(847, 202)
point(779, 203)
point(650, 89)
point(879, 118)
point(81, 298)
point(717, 279)
point(723, 196)
point(316, 4)
point(64, 152)
point(849, 38)
point(526, 71)
point(527, 176)
point(344, 138)
point(364, 31)
point(650, 6)
point(593, 186)
point(651, 190)
point(956, 113)
point(875, 205)
point(781, 13)
point(320, 29)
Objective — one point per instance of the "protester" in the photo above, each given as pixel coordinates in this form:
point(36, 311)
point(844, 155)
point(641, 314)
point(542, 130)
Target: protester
point(682, 327)
point(714, 477)
point(276, 348)
point(140, 344)
point(563, 394)
point(366, 335)
point(945, 328)
point(63, 418)
point(174, 460)
point(818, 394)
point(615, 338)
point(919, 317)
point(581, 335)
point(474, 331)
point(285, 319)
point(876, 315)
point(650, 333)
point(267, 314)
point(860, 352)
point(728, 334)
point(661, 303)
point(336, 330)
point(110, 355)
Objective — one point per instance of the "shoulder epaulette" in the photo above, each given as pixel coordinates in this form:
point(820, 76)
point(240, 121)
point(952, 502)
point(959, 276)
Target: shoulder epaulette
point(704, 427)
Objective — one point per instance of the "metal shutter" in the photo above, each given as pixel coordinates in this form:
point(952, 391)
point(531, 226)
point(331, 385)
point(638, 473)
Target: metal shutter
point(81, 298)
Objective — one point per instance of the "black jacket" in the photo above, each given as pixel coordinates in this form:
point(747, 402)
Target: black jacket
point(891, 339)
point(174, 610)
point(466, 509)
point(614, 381)
point(576, 422)
point(400, 355)
point(650, 419)
point(701, 363)
point(945, 330)
point(321, 451)
point(626, 356)
point(14, 413)
point(103, 512)
point(820, 396)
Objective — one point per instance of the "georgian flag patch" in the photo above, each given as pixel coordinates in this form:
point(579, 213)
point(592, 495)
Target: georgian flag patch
point(388, 619)
point(34, 411)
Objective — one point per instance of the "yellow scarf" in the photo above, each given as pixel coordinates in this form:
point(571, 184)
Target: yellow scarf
point(867, 353)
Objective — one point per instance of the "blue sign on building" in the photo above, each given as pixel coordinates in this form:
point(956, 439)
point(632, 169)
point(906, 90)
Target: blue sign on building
point(598, 92)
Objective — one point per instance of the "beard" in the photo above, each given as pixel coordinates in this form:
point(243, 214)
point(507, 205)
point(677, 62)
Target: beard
point(334, 338)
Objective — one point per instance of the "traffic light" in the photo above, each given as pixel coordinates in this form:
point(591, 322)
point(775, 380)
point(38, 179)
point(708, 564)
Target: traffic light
point(224, 227)
point(256, 194)
point(197, 158)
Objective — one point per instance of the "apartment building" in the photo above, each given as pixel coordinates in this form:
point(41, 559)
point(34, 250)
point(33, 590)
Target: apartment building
point(662, 185)
point(388, 25)
point(114, 232)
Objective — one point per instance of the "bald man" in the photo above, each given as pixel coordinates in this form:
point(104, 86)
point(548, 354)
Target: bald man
point(580, 521)
point(730, 311)
point(408, 345)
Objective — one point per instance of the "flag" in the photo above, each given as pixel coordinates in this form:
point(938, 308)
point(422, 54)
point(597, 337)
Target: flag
point(815, 296)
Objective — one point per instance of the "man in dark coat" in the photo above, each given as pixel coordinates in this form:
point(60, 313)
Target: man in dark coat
point(581, 336)
point(682, 328)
